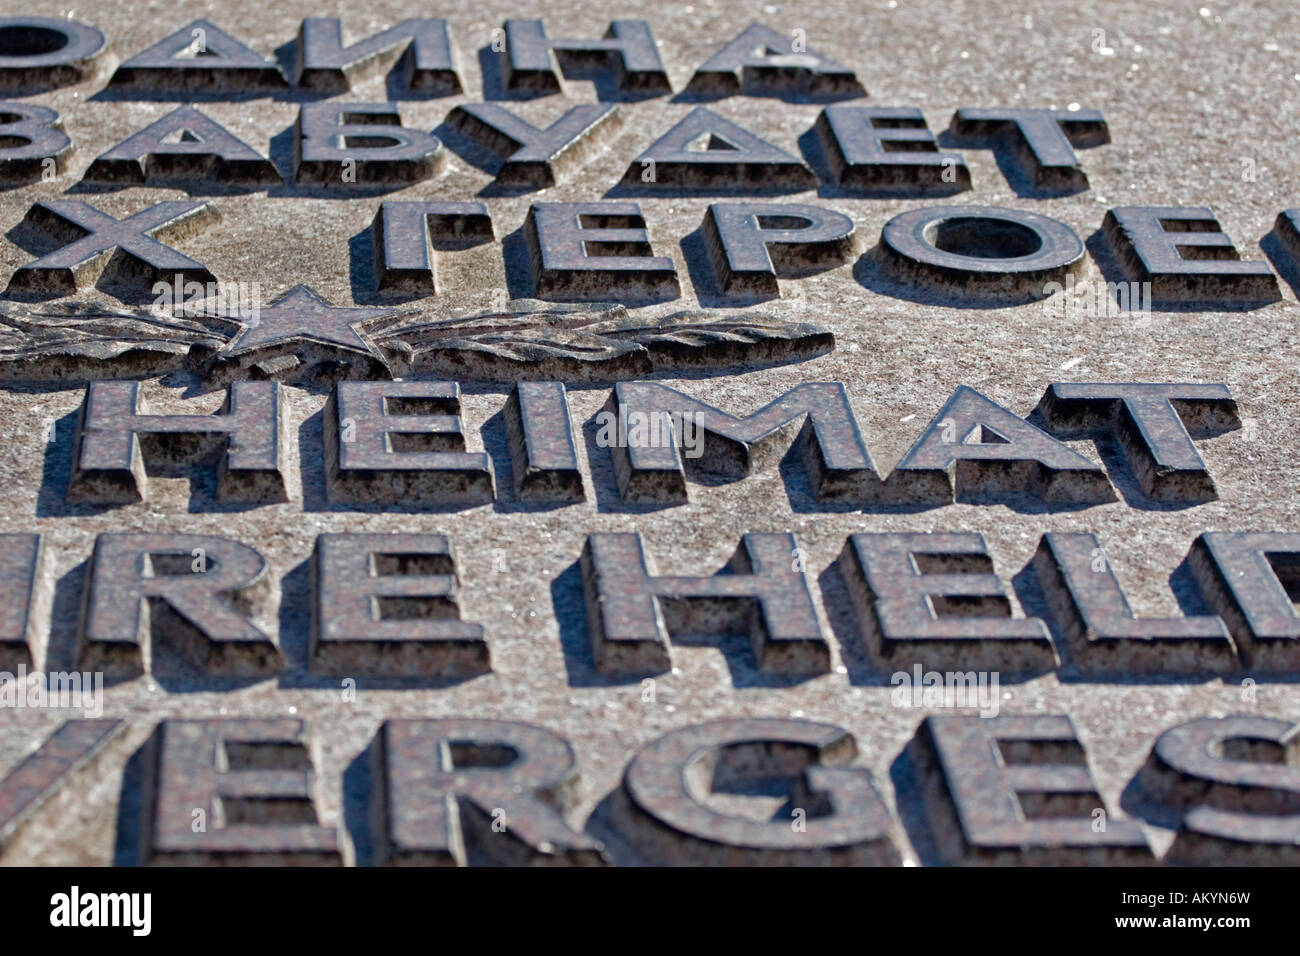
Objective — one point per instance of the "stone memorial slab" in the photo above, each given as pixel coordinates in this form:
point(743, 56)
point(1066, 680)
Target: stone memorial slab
point(705, 434)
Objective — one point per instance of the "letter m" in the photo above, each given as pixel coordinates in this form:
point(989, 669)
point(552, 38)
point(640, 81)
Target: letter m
point(116, 909)
point(1117, 299)
point(65, 687)
point(812, 421)
point(964, 686)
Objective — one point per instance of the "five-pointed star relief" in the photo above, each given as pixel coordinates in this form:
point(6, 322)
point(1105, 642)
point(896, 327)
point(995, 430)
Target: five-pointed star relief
point(301, 314)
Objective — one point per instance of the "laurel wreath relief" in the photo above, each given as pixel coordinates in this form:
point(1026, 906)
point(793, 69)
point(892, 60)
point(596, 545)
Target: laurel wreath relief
point(77, 341)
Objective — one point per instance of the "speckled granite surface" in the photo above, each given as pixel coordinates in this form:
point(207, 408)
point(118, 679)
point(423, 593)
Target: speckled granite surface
point(1196, 99)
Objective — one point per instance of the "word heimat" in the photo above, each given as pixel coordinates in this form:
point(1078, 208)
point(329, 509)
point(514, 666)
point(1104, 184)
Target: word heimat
point(402, 443)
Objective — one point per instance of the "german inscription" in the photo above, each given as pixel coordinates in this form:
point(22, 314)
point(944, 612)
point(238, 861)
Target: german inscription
point(618, 438)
